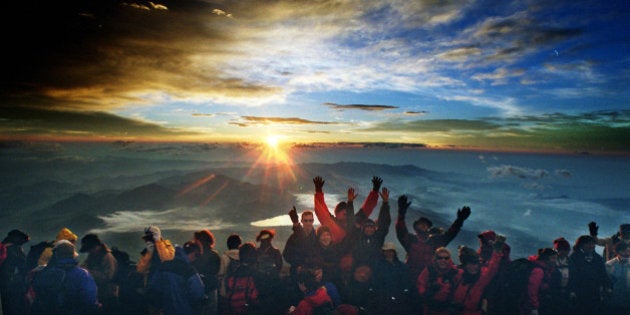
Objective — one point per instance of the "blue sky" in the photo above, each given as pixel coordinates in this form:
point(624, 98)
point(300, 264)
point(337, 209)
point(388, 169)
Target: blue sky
point(499, 75)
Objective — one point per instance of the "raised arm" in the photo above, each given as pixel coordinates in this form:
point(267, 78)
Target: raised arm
point(448, 236)
point(401, 227)
point(323, 214)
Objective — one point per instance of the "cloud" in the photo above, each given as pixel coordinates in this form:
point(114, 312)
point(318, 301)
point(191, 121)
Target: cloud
point(435, 125)
point(258, 120)
point(416, 113)
point(515, 171)
point(203, 115)
point(360, 107)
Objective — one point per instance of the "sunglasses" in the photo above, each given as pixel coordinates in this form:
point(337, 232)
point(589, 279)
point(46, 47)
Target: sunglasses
point(442, 258)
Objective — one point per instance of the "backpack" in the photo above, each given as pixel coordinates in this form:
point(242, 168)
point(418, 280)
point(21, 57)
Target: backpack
point(50, 288)
point(513, 284)
point(35, 252)
point(232, 266)
point(241, 293)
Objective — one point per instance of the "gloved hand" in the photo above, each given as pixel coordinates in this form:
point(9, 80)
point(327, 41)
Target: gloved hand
point(319, 183)
point(294, 216)
point(403, 205)
point(593, 229)
point(463, 213)
point(376, 183)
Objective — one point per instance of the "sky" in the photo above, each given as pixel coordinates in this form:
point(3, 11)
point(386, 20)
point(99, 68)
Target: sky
point(498, 75)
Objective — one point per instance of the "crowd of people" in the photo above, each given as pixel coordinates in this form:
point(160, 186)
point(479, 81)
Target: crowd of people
point(344, 266)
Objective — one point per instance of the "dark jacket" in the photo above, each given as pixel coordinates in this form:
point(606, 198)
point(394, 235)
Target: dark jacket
point(366, 250)
point(588, 278)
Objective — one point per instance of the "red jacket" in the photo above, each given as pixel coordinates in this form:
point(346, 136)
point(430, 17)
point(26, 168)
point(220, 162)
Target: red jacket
point(436, 287)
point(469, 295)
point(327, 219)
point(308, 304)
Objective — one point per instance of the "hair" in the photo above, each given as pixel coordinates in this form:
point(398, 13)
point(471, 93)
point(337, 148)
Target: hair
point(321, 230)
point(423, 220)
point(307, 212)
point(234, 241)
point(545, 253)
point(342, 206)
point(247, 253)
point(192, 247)
point(560, 243)
point(205, 237)
point(620, 247)
point(441, 250)
point(583, 239)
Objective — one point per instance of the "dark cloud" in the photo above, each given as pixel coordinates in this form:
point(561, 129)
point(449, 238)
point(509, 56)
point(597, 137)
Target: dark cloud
point(442, 125)
point(416, 113)
point(258, 120)
point(203, 115)
point(360, 107)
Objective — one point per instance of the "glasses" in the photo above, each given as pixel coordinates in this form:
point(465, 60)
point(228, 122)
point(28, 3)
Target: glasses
point(442, 257)
point(311, 220)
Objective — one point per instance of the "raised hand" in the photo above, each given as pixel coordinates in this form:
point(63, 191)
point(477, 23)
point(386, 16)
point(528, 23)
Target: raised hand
point(499, 242)
point(376, 183)
point(463, 213)
point(319, 183)
point(294, 216)
point(593, 228)
point(351, 194)
point(384, 194)
point(403, 205)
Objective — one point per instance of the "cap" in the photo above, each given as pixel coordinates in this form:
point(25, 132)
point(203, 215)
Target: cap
point(88, 242)
point(265, 234)
point(66, 234)
point(16, 237)
point(488, 235)
point(64, 249)
point(467, 255)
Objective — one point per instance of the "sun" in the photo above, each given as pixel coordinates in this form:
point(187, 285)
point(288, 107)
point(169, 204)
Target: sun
point(273, 141)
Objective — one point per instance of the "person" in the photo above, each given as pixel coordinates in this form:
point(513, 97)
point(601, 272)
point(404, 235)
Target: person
point(176, 288)
point(339, 221)
point(420, 247)
point(486, 248)
point(473, 278)
point(13, 273)
point(367, 242)
point(130, 285)
point(63, 234)
point(623, 235)
point(157, 250)
point(300, 245)
point(560, 280)
point(618, 269)
point(436, 283)
point(316, 298)
point(241, 286)
point(538, 298)
point(102, 266)
point(208, 266)
point(62, 287)
point(328, 254)
point(229, 263)
point(588, 279)
point(269, 263)
point(392, 283)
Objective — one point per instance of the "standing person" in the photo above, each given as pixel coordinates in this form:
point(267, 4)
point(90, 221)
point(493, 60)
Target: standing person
point(301, 243)
point(269, 259)
point(157, 251)
point(63, 234)
point(618, 269)
point(560, 281)
point(392, 283)
point(208, 266)
point(338, 222)
point(241, 286)
point(367, 242)
point(62, 287)
point(229, 259)
point(421, 246)
point(102, 266)
point(622, 236)
point(436, 283)
point(13, 273)
point(588, 278)
point(316, 296)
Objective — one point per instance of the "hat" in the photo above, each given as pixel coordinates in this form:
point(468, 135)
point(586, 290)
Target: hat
point(389, 246)
point(64, 249)
point(369, 222)
point(561, 244)
point(16, 237)
point(424, 220)
point(488, 235)
point(624, 227)
point(88, 242)
point(265, 234)
point(66, 234)
point(152, 232)
point(544, 253)
point(467, 255)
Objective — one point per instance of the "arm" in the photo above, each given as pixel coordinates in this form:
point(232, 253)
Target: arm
point(453, 230)
point(422, 282)
point(533, 288)
point(401, 227)
point(384, 217)
point(323, 214)
point(372, 199)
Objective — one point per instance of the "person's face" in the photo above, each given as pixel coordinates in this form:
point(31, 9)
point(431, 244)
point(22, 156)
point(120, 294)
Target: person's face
point(307, 222)
point(325, 239)
point(563, 252)
point(341, 215)
point(369, 230)
point(472, 267)
point(421, 227)
point(588, 247)
point(389, 254)
point(319, 274)
point(442, 261)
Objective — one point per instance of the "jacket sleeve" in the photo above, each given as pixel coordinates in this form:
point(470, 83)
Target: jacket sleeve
point(402, 233)
point(370, 203)
point(165, 249)
point(384, 220)
point(422, 282)
point(326, 219)
point(533, 288)
point(450, 234)
point(87, 291)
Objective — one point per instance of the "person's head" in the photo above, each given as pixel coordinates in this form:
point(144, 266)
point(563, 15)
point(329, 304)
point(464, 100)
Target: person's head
point(340, 211)
point(307, 220)
point(389, 251)
point(624, 231)
point(16, 237)
point(66, 234)
point(422, 225)
point(562, 246)
point(487, 238)
point(192, 250)
point(469, 259)
point(247, 253)
point(362, 273)
point(584, 243)
point(64, 249)
point(234, 241)
point(265, 236)
point(622, 249)
point(369, 227)
point(205, 238)
point(90, 243)
point(324, 236)
point(442, 258)
point(307, 280)
point(547, 255)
